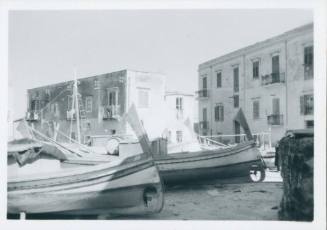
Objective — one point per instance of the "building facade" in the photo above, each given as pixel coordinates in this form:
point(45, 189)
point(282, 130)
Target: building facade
point(103, 100)
point(272, 81)
point(180, 116)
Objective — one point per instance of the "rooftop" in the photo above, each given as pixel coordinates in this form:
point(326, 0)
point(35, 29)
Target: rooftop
point(97, 75)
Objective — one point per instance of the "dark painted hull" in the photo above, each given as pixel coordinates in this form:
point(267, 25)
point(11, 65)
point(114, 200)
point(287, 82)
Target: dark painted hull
point(223, 163)
point(132, 188)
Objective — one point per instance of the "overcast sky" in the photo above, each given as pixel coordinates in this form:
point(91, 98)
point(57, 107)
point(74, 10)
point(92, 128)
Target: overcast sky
point(45, 46)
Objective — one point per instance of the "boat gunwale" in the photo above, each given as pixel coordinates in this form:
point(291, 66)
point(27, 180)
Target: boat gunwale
point(79, 171)
point(202, 155)
point(208, 168)
point(125, 172)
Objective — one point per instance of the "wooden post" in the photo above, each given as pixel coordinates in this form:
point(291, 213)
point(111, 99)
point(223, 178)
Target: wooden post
point(240, 118)
point(139, 130)
point(22, 216)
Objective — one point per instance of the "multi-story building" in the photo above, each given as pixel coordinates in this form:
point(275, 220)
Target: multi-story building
point(272, 81)
point(103, 100)
point(180, 116)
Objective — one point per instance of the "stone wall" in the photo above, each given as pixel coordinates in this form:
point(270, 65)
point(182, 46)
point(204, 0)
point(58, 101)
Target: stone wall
point(296, 157)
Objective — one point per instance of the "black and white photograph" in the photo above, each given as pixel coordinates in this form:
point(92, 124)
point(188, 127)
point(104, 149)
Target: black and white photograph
point(162, 114)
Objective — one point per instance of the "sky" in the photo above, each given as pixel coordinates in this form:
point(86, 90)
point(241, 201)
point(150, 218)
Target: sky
point(46, 46)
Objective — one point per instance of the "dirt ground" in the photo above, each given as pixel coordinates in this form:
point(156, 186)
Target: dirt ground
point(229, 199)
point(232, 199)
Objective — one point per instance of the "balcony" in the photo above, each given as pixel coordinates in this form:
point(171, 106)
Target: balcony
point(111, 112)
point(33, 115)
point(204, 125)
point(273, 78)
point(275, 119)
point(202, 94)
point(71, 115)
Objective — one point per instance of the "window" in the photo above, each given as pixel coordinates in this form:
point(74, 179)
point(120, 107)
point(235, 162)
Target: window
point(306, 103)
point(204, 114)
point(275, 65)
point(255, 69)
point(219, 80)
point(256, 110)
point(143, 98)
point(275, 106)
point(219, 113)
point(236, 101)
point(96, 83)
point(88, 103)
point(47, 93)
point(179, 103)
point(308, 62)
point(112, 96)
point(216, 113)
point(35, 105)
point(308, 56)
point(54, 108)
point(179, 136)
point(204, 83)
point(236, 79)
point(69, 103)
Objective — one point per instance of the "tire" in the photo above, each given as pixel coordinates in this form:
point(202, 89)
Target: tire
point(257, 175)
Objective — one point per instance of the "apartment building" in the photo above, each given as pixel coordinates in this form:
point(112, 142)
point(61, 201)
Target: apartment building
point(103, 99)
point(272, 81)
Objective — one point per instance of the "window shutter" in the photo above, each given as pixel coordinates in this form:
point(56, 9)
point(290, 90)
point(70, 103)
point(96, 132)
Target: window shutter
point(222, 113)
point(219, 80)
point(301, 104)
point(236, 80)
point(216, 115)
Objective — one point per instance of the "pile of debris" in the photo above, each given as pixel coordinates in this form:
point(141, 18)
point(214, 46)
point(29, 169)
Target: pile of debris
point(296, 154)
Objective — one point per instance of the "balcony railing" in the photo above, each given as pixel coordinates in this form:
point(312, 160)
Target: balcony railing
point(33, 115)
point(71, 115)
point(203, 94)
point(273, 78)
point(204, 125)
point(275, 119)
point(111, 112)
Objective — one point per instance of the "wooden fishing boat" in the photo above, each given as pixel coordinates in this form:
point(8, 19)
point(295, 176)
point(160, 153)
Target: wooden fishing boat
point(241, 160)
point(124, 186)
point(129, 186)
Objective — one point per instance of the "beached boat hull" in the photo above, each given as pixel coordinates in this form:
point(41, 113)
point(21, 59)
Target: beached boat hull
point(235, 161)
point(132, 188)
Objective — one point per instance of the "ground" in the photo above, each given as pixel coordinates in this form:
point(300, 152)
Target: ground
point(229, 199)
point(232, 199)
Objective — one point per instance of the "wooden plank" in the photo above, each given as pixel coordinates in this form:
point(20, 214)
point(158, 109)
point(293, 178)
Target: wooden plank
point(240, 118)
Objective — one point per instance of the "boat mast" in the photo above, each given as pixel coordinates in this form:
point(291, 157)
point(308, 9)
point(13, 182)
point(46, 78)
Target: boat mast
point(75, 90)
